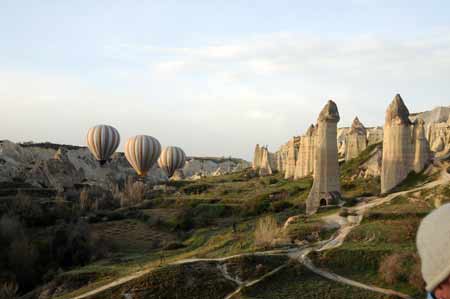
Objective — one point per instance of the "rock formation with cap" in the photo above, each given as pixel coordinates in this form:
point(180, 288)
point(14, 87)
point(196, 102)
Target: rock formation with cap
point(256, 157)
point(264, 168)
point(398, 152)
point(421, 146)
point(326, 187)
point(356, 140)
point(291, 157)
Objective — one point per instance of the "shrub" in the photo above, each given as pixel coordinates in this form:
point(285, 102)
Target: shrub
point(133, 193)
point(256, 205)
point(185, 220)
point(10, 228)
point(273, 181)
point(278, 206)
point(85, 202)
point(401, 267)
point(8, 290)
point(266, 231)
point(22, 257)
point(196, 188)
point(174, 246)
point(26, 209)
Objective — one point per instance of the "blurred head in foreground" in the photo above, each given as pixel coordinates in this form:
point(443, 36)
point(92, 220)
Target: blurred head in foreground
point(433, 244)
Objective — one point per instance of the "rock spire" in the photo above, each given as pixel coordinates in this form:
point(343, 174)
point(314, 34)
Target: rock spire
point(356, 140)
point(305, 160)
point(326, 186)
point(397, 145)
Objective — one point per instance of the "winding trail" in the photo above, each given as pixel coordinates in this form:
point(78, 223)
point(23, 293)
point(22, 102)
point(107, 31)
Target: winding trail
point(301, 253)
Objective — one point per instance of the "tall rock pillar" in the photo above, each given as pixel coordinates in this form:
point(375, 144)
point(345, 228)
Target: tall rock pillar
point(326, 187)
point(292, 154)
point(257, 157)
point(264, 168)
point(356, 140)
point(305, 159)
point(398, 151)
point(421, 146)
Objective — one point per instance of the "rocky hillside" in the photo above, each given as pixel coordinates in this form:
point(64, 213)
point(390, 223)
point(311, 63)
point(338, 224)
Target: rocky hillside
point(294, 157)
point(57, 166)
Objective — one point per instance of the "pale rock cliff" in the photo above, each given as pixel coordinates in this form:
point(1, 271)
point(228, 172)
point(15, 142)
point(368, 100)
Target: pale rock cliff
point(374, 135)
point(47, 165)
point(439, 138)
point(291, 158)
point(256, 157)
point(356, 140)
point(341, 140)
point(198, 167)
point(305, 161)
point(265, 168)
point(421, 146)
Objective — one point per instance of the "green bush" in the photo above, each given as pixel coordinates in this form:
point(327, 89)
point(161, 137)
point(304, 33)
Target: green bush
point(174, 246)
point(256, 205)
point(205, 214)
point(278, 206)
point(196, 188)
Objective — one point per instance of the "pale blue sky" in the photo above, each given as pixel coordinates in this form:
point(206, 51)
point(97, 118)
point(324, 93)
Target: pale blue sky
point(214, 77)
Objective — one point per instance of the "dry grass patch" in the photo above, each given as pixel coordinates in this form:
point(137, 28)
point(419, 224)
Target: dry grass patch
point(267, 231)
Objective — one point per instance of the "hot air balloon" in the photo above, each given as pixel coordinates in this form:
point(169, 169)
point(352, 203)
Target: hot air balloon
point(142, 152)
point(171, 159)
point(102, 141)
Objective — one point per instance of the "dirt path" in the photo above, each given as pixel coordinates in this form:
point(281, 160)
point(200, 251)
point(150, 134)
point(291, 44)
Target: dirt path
point(332, 276)
point(346, 228)
point(138, 274)
point(300, 254)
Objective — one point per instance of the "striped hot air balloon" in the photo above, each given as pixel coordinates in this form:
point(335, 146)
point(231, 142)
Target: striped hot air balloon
point(171, 159)
point(142, 152)
point(103, 141)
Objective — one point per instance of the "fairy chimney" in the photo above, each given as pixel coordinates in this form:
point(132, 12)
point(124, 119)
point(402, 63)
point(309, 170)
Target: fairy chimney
point(326, 187)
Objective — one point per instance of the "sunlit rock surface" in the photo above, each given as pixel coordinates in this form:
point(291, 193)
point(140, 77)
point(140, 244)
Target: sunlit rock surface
point(326, 187)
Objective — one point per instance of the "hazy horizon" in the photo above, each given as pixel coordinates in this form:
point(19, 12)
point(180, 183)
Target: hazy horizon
point(214, 78)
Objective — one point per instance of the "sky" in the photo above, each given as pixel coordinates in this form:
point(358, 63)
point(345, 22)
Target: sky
point(214, 77)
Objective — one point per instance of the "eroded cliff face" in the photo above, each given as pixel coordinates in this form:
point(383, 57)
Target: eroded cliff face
point(326, 186)
point(61, 166)
point(428, 133)
point(439, 138)
point(305, 160)
point(374, 135)
point(422, 153)
point(256, 157)
point(282, 160)
point(265, 168)
point(293, 146)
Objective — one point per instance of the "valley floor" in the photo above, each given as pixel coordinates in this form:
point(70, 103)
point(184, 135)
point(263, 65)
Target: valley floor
point(288, 279)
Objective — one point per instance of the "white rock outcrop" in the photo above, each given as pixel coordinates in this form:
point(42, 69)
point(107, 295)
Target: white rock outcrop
point(60, 167)
point(265, 168)
point(374, 135)
point(356, 140)
point(305, 161)
point(256, 157)
point(422, 153)
point(291, 158)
